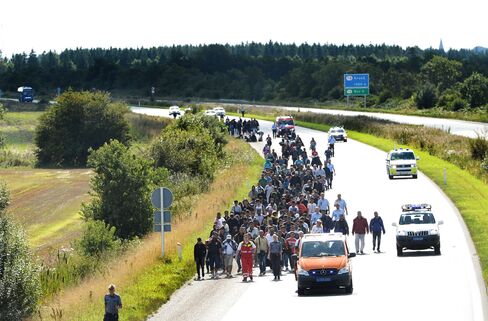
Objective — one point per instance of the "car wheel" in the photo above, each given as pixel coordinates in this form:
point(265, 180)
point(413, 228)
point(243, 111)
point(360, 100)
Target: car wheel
point(349, 288)
point(390, 176)
point(345, 140)
point(414, 176)
point(301, 292)
point(399, 251)
point(437, 250)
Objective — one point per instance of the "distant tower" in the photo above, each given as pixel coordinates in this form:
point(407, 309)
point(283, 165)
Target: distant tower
point(441, 47)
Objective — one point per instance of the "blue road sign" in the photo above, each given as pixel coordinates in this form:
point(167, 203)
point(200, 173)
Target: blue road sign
point(167, 227)
point(167, 197)
point(157, 228)
point(356, 81)
point(166, 217)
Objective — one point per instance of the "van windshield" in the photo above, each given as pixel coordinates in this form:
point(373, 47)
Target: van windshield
point(323, 248)
point(402, 156)
point(417, 218)
point(286, 122)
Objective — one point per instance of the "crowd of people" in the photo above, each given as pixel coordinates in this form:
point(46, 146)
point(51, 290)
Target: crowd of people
point(287, 202)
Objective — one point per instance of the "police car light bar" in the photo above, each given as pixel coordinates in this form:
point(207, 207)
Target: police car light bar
point(416, 207)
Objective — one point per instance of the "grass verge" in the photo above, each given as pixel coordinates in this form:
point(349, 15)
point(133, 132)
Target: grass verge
point(144, 280)
point(468, 193)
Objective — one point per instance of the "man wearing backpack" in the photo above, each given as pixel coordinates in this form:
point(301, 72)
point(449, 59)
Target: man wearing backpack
point(229, 248)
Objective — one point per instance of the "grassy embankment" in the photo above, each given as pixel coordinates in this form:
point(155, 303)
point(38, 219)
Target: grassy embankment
point(469, 194)
point(145, 281)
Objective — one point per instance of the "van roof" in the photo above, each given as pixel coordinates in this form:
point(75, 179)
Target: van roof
point(324, 237)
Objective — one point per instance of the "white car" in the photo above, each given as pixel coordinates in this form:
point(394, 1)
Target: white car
point(174, 111)
point(219, 111)
point(417, 229)
point(210, 112)
point(401, 162)
point(339, 134)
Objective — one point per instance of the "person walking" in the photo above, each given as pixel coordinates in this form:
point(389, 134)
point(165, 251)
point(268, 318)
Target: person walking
point(274, 129)
point(229, 249)
point(359, 229)
point(238, 238)
point(113, 303)
point(318, 227)
point(242, 111)
point(289, 250)
point(246, 251)
point(331, 142)
point(214, 252)
point(376, 227)
point(341, 226)
point(342, 203)
point(275, 256)
point(330, 172)
point(199, 253)
point(262, 248)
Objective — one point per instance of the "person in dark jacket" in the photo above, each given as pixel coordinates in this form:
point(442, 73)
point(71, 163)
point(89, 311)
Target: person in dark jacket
point(199, 253)
point(341, 226)
point(360, 228)
point(376, 227)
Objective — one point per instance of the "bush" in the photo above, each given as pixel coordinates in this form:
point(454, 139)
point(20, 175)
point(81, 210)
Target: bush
point(19, 275)
point(186, 151)
point(4, 197)
point(425, 97)
point(79, 121)
point(475, 90)
point(122, 188)
point(97, 239)
point(458, 104)
point(478, 148)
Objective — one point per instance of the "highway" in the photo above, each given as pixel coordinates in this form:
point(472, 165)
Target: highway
point(454, 126)
point(418, 286)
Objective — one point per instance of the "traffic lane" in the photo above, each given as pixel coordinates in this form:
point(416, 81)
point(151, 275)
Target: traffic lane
point(419, 278)
point(456, 127)
point(385, 278)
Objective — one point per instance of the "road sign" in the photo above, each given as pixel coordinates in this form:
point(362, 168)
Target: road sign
point(166, 217)
point(356, 81)
point(167, 227)
point(356, 91)
point(157, 228)
point(167, 197)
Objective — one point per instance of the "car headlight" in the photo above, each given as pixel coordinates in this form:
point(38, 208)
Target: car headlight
point(413, 165)
point(302, 272)
point(402, 233)
point(434, 232)
point(344, 270)
point(393, 166)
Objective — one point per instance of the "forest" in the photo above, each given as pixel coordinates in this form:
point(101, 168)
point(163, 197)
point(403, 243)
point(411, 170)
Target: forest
point(456, 79)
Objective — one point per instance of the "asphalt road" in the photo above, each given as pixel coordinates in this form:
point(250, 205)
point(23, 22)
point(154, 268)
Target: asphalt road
point(457, 127)
point(418, 286)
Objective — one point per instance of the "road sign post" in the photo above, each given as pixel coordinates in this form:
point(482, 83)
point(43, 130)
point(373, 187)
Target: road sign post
point(162, 198)
point(356, 85)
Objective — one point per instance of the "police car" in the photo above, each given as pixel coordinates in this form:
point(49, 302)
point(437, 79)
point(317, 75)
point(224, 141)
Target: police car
point(417, 229)
point(339, 134)
point(401, 162)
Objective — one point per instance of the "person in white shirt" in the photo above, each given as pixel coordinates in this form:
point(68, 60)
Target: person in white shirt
point(317, 228)
point(342, 203)
point(219, 221)
point(323, 204)
point(311, 206)
point(269, 190)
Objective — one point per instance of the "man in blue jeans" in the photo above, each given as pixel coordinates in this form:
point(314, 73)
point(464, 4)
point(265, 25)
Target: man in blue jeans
point(262, 248)
point(376, 227)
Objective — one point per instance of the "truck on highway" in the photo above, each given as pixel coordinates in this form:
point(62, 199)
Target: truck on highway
point(284, 125)
point(26, 94)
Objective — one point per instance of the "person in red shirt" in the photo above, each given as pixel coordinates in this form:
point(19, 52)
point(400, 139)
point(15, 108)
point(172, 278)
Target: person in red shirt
point(246, 251)
point(289, 251)
point(359, 228)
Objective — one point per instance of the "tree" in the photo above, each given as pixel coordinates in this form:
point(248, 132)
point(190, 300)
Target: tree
point(2, 139)
point(98, 238)
point(475, 90)
point(121, 190)
point(79, 121)
point(426, 97)
point(19, 275)
point(442, 72)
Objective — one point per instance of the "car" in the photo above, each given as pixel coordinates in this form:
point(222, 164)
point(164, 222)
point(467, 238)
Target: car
point(401, 162)
point(220, 111)
point(210, 112)
point(339, 134)
point(174, 111)
point(417, 229)
point(324, 262)
point(284, 125)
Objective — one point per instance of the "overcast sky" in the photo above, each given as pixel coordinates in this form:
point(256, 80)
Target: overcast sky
point(59, 24)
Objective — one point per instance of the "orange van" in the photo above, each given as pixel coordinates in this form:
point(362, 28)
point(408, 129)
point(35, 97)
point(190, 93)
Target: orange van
point(324, 261)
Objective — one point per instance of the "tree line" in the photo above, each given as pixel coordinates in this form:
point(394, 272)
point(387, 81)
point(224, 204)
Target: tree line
point(259, 72)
